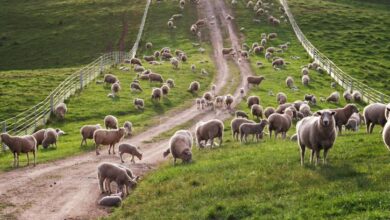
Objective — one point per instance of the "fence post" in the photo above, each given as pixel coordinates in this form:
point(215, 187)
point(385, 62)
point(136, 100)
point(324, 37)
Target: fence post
point(4, 130)
point(51, 103)
point(81, 80)
point(35, 118)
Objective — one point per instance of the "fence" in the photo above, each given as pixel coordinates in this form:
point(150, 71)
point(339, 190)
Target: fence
point(349, 83)
point(27, 121)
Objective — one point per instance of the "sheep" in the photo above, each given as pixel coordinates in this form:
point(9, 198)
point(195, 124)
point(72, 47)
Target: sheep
point(156, 94)
point(219, 101)
point(138, 68)
point(257, 110)
point(129, 149)
point(280, 123)
point(139, 103)
point(280, 109)
point(170, 24)
point(353, 122)
point(249, 4)
point(254, 80)
point(290, 82)
point(386, 129)
point(294, 137)
point(135, 61)
point(343, 114)
point(39, 136)
point(256, 129)
point(311, 98)
point(143, 76)
point(259, 11)
point(305, 110)
point(110, 79)
point(194, 28)
point(297, 104)
point(175, 63)
point(281, 98)
point(272, 36)
point(17, 145)
point(135, 87)
point(149, 45)
point(258, 50)
point(155, 77)
point(194, 87)
point(268, 55)
point(112, 172)
point(87, 132)
point(241, 114)
point(193, 68)
point(278, 63)
point(60, 110)
point(235, 126)
point(209, 130)
point(149, 58)
point(165, 90)
point(305, 71)
point(374, 114)
point(156, 54)
point(357, 96)
point(268, 111)
point(111, 122)
point(108, 137)
point(228, 101)
point(263, 42)
point(347, 96)
point(113, 200)
point(227, 51)
point(271, 50)
point(50, 138)
point(305, 80)
point(128, 127)
point(115, 88)
point(180, 146)
point(334, 97)
point(244, 54)
point(171, 83)
point(316, 133)
point(207, 96)
point(166, 56)
point(203, 103)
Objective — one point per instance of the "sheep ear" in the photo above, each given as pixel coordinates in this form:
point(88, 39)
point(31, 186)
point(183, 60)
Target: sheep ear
point(320, 113)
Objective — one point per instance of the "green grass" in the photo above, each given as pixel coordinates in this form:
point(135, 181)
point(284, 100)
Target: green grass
point(92, 104)
point(352, 33)
point(265, 180)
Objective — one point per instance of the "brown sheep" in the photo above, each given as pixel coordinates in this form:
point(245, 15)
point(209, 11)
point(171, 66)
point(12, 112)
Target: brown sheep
point(180, 146)
point(108, 137)
point(343, 114)
point(250, 128)
point(254, 80)
point(268, 111)
point(207, 131)
point(278, 63)
point(374, 114)
point(257, 110)
point(280, 123)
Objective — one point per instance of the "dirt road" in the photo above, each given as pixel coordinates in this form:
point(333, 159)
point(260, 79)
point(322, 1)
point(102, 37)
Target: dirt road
point(68, 189)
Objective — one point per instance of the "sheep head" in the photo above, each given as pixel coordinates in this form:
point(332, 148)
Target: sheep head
point(187, 155)
point(326, 117)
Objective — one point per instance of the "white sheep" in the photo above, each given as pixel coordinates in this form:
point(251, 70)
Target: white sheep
point(209, 130)
point(108, 137)
point(129, 149)
point(17, 145)
point(180, 146)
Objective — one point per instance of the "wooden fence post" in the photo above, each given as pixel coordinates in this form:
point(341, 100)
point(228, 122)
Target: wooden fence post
point(4, 130)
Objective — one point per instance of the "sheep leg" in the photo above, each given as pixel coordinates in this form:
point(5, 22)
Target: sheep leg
point(120, 155)
point(28, 159)
point(340, 127)
point(82, 142)
point(96, 149)
point(270, 133)
point(109, 149)
point(132, 159)
point(317, 156)
point(14, 159)
point(101, 181)
point(17, 157)
point(220, 140)
point(302, 154)
point(372, 127)
point(34, 157)
point(212, 143)
point(113, 149)
point(174, 161)
point(368, 127)
point(283, 135)
point(312, 156)
point(325, 155)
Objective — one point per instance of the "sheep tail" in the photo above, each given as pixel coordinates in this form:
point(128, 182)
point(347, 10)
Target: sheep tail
point(167, 152)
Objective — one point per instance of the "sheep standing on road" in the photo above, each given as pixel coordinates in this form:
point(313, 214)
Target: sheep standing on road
point(111, 122)
point(374, 114)
point(108, 137)
point(129, 149)
point(316, 133)
point(60, 110)
point(17, 145)
point(87, 132)
point(180, 146)
point(108, 172)
point(252, 128)
point(228, 101)
point(207, 131)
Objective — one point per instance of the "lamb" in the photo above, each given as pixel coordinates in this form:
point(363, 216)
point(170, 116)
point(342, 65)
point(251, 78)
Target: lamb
point(241, 114)
point(110, 79)
point(157, 94)
point(334, 97)
point(171, 83)
point(305, 71)
point(207, 96)
point(347, 96)
point(343, 114)
point(281, 98)
point(305, 80)
point(252, 128)
point(135, 61)
point(374, 114)
point(60, 110)
point(228, 101)
point(263, 42)
point(87, 132)
point(165, 90)
point(50, 138)
point(290, 82)
point(113, 200)
point(108, 137)
point(317, 133)
point(254, 80)
point(257, 110)
point(175, 63)
point(135, 87)
point(219, 101)
point(386, 129)
point(155, 77)
point(353, 122)
point(112, 172)
point(129, 149)
point(17, 145)
point(305, 110)
point(139, 103)
point(128, 127)
point(280, 123)
point(357, 96)
point(209, 130)
point(278, 63)
point(180, 146)
point(115, 88)
point(194, 87)
point(268, 111)
point(235, 126)
point(111, 122)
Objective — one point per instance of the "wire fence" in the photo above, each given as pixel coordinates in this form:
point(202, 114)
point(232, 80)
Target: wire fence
point(346, 81)
point(28, 121)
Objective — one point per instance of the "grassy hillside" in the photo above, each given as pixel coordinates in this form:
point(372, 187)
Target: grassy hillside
point(354, 34)
point(265, 180)
point(90, 106)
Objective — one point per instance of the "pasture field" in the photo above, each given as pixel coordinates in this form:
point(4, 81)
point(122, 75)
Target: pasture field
point(92, 104)
point(265, 179)
point(355, 34)
point(41, 43)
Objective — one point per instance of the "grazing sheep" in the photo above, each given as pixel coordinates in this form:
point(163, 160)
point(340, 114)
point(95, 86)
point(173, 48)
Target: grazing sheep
point(50, 138)
point(155, 77)
point(166, 56)
point(135, 61)
point(280, 123)
point(347, 96)
point(374, 114)
point(316, 133)
point(283, 107)
point(305, 80)
point(108, 137)
point(156, 54)
point(110, 79)
point(175, 63)
point(219, 101)
point(272, 36)
point(113, 172)
point(343, 114)
point(290, 82)
point(357, 96)
point(228, 101)
point(110, 201)
point(268, 56)
point(241, 114)
point(143, 76)
point(149, 45)
point(257, 110)
point(149, 58)
point(115, 88)
point(278, 63)
point(311, 98)
point(139, 103)
point(20, 144)
point(297, 104)
point(60, 110)
point(135, 87)
point(305, 110)
point(209, 130)
point(271, 50)
point(193, 68)
point(207, 96)
point(129, 149)
point(194, 87)
point(128, 127)
point(235, 126)
point(386, 129)
point(180, 146)
point(263, 42)
point(305, 71)
point(87, 132)
point(39, 136)
point(334, 97)
point(111, 121)
point(157, 94)
point(268, 111)
point(165, 90)
point(255, 129)
point(353, 122)
point(281, 98)
point(171, 83)
point(138, 68)
point(254, 80)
